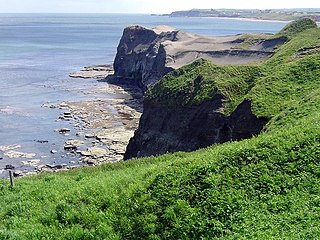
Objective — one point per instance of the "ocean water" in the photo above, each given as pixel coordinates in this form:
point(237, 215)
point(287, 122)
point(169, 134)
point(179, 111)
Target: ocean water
point(38, 51)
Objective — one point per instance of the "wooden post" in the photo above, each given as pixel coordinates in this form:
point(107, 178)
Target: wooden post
point(11, 178)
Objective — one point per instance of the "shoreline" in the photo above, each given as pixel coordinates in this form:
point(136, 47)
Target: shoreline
point(105, 125)
point(244, 19)
point(99, 130)
point(239, 19)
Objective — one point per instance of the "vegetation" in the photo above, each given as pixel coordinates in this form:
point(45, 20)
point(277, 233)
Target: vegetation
point(272, 86)
point(201, 80)
point(267, 187)
point(295, 27)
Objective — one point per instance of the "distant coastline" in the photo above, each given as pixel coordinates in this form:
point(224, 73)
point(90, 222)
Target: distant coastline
point(268, 15)
point(256, 19)
point(245, 19)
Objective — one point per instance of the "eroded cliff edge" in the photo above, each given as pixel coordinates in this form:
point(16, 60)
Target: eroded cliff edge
point(196, 106)
point(187, 128)
point(145, 55)
point(210, 100)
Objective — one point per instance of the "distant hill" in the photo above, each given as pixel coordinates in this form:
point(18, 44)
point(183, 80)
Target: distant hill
point(267, 14)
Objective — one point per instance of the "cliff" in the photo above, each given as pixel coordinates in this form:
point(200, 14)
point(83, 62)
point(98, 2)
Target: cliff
point(145, 55)
point(189, 109)
point(170, 129)
point(203, 103)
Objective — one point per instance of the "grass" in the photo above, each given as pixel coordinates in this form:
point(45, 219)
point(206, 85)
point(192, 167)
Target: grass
point(272, 86)
point(201, 80)
point(267, 187)
point(260, 188)
point(295, 27)
point(81, 204)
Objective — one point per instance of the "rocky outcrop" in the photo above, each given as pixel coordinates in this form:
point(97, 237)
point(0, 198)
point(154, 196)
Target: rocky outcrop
point(141, 56)
point(95, 71)
point(145, 55)
point(165, 129)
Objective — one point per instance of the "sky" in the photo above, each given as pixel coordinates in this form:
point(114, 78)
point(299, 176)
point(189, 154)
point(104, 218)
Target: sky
point(142, 6)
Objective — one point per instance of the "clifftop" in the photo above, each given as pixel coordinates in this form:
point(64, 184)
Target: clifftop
point(145, 55)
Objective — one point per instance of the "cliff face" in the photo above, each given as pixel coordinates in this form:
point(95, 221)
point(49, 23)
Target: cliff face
point(145, 55)
point(202, 103)
point(140, 56)
point(165, 128)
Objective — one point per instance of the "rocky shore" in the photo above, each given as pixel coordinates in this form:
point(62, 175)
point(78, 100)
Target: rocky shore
point(96, 71)
point(99, 129)
point(104, 125)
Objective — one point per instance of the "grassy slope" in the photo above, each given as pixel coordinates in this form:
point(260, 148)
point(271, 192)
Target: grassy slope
point(201, 80)
point(267, 187)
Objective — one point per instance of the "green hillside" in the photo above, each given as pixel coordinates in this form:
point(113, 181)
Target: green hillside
point(267, 187)
point(295, 27)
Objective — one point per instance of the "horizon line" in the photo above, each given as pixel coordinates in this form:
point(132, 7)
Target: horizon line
point(318, 8)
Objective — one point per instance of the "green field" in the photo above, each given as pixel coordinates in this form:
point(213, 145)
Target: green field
point(267, 187)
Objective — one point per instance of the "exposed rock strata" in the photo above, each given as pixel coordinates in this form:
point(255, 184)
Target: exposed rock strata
point(165, 129)
point(145, 55)
point(96, 71)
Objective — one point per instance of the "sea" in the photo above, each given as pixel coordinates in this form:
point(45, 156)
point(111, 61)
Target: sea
point(39, 51)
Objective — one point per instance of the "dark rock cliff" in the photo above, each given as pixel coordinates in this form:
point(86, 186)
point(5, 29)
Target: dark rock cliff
point(165, 129)
point(140, 56)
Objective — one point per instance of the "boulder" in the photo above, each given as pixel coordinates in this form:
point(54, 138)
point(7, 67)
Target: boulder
point(17, 173)
point(70, 148)
point(63, 130)
point(97, 152)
